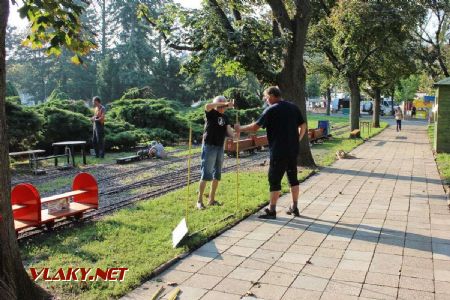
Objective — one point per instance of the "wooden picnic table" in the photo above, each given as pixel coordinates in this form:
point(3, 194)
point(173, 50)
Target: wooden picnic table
point(71, 145)
point(31, 157)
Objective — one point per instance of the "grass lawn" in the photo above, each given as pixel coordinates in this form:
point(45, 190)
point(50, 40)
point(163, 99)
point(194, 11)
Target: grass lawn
point(139, 237)
point(442, 159)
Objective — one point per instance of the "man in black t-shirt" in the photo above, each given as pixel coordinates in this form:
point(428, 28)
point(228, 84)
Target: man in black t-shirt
point(285, 128)
point(217, 127)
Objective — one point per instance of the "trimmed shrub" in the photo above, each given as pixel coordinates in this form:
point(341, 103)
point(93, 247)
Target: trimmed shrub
point(78, 106)
point(63, 125)
point(57, 94)
point(148, 113)
point(24, 125)
point(122, 135)
point(138, 93)
point(164, 136)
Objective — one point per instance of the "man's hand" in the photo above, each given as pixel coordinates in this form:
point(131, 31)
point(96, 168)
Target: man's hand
point(237, 127)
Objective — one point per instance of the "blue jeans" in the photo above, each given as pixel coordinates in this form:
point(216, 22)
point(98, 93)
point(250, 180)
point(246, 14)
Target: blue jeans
point(212, 160)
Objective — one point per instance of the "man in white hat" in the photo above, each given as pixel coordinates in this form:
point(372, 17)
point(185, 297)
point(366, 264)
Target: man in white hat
point(217, 127)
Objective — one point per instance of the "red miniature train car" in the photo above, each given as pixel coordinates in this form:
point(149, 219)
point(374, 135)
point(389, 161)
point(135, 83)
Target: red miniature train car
point(248, 144)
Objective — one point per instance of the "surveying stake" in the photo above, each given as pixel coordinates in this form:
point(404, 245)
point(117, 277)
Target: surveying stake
point(182, 230)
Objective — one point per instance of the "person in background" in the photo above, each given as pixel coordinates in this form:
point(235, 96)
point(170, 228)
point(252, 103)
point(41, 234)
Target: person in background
point(217, 127)
point(413, 112)
point(398, 118)
point(98, 120)
point(285, 128)
point(157, 150)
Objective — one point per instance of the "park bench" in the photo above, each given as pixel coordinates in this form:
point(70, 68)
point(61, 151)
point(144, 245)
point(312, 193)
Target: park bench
point(55, 157)
point(28, 207)
point(355, 134)
point(32, 156)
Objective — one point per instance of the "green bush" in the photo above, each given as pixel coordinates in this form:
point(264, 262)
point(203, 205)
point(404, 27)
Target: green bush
point(125, 139)
point(122, 135)
point(57, 94)
point(24, 125)
point(138, 93)
point(14, 99)
point(78, 106)
point(148, 113)
point(247, 116)
point(63, 125)
point(242, 98)
point(164, 136)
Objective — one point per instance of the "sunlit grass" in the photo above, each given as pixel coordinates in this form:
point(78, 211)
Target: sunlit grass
point(442, 159)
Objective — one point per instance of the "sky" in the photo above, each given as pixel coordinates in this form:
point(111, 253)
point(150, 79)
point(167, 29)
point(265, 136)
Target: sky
point(16, 21)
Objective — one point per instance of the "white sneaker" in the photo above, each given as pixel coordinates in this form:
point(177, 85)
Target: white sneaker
point(200, 206)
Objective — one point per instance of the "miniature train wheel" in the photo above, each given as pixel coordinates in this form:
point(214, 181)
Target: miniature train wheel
point(49, 226)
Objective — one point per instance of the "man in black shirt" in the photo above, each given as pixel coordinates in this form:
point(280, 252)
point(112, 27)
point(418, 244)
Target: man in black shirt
point(217, 127)
point(285, 128)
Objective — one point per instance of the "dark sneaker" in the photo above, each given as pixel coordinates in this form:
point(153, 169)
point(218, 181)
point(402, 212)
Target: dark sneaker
point(270, 215)
point(292, 211)
point(215, 203)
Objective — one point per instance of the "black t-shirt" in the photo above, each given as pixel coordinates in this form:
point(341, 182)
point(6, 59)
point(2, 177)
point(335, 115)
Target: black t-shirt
point(215, 128)
point(282, 120)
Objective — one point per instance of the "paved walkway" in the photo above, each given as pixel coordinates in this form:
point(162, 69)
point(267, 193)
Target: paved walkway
point(373, 227)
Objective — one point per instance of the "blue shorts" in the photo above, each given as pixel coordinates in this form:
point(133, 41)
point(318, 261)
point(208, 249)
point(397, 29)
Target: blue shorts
point(212, 159)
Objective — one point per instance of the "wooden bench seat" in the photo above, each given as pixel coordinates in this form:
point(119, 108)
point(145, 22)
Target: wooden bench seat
point(50, 157)
point(28, 210)
point(62, 196)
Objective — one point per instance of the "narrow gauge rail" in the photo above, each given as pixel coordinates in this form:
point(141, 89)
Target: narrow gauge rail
point(57, 173)
point(163, 188)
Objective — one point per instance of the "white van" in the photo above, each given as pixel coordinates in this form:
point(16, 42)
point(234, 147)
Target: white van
point(366, 107)
point(386, 107)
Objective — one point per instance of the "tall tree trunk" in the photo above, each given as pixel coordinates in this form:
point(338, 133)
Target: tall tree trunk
point(14, 281)
point(103, 4)
point(377, 108)
point(355, 98)
point(328, 100)
point(292, 78)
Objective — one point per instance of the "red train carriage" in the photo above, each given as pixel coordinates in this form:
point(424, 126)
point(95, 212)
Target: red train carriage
point(247, 144)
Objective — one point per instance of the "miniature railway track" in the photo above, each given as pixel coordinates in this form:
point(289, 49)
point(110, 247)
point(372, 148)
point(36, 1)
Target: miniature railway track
point(54, 173)
point(165, 183)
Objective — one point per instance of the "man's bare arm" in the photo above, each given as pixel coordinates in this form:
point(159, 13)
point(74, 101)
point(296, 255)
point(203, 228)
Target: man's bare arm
point(302, 130)
point(247, 128)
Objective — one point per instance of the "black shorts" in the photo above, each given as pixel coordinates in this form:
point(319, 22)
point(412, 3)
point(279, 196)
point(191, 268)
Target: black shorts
point(277, 169)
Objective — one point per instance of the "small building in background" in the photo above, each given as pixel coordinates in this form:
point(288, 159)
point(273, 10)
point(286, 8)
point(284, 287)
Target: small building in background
point(442, 116)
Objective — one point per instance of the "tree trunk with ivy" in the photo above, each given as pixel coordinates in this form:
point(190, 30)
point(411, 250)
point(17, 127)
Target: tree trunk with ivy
point(14, 280)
